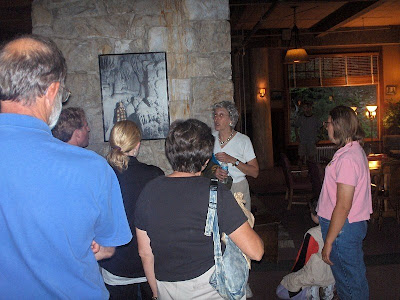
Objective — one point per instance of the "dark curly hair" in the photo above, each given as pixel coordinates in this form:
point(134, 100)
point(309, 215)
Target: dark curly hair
point(189, 145)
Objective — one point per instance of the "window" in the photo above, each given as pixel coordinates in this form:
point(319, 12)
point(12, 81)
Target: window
point(326, 98)
point(335, 70)
point(329, 80)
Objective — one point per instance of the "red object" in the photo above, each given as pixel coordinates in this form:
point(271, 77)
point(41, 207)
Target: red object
point(308, 248)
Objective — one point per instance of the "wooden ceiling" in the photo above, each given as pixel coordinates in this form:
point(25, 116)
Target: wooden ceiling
point(268, 23)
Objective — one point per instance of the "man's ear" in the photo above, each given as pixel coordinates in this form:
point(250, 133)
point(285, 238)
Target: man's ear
point(75, 136)
point(77, 133)
point(52, 91)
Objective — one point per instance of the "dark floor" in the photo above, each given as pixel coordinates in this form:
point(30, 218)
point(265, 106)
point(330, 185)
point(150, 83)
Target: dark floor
point(381, 247)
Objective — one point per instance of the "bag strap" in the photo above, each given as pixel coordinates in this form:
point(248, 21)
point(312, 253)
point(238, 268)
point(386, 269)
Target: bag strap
point(212, 224)
point(212, 207)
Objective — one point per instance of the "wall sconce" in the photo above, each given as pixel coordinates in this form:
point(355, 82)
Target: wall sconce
point(262, 93)
point(354, 108)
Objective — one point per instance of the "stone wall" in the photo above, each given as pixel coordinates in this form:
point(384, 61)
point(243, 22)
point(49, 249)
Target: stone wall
point(195, 34)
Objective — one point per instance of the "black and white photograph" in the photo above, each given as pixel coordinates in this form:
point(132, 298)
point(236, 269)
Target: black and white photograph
point(134, 87)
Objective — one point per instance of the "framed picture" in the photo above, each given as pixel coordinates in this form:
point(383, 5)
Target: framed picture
point(391, 90)
point(134, 87)
point(276, 95)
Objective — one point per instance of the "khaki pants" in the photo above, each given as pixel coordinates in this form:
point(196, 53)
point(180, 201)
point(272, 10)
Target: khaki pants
point(196, 288)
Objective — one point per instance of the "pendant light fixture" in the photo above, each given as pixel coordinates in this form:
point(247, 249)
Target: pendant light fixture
point(297, 54)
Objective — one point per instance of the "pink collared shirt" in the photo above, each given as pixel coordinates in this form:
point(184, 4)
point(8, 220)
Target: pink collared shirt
point(349, 166)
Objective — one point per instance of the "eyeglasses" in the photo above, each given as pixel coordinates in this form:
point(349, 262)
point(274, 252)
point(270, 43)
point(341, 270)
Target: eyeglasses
point(326, 124)
point(65, 94)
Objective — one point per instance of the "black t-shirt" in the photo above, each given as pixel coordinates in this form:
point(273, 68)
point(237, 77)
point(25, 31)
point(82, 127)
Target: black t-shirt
point(173, 212)
point(126, 261)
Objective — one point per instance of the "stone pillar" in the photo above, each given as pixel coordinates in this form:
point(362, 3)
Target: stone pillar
point(195, 35)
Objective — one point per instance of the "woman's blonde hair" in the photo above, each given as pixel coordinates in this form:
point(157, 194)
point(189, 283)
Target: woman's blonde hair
point(124, 137)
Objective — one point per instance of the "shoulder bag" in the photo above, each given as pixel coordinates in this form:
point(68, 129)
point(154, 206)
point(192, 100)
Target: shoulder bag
point(231, 269)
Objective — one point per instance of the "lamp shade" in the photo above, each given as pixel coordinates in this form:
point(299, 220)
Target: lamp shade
point(371, 108)
point(296, 56)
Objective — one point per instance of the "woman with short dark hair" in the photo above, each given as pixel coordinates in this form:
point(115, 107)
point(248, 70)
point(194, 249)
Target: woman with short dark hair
point(171, 215)
point(189, 145)
point(345, 204)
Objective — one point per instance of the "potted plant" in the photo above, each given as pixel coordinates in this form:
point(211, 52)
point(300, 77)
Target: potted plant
point(391, 123)
point(391, 120)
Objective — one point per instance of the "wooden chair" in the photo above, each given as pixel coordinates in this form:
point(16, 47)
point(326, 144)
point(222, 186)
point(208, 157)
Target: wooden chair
point(386, 197)
point(296, 181)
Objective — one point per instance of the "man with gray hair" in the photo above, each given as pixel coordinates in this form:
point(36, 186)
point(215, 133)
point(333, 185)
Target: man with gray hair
point(60, 205)
point(72, 127)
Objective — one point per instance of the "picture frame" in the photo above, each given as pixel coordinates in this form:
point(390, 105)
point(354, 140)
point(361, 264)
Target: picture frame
point(134, 87)
point(391, 89)
point(276, 95)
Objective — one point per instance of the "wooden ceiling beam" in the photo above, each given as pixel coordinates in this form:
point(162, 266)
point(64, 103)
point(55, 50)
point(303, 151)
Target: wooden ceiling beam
point(344, 38)
point(259, 33)
point(256, 27)
point(343, 15)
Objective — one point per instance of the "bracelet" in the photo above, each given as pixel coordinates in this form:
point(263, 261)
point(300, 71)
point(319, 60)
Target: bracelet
point(154, 298)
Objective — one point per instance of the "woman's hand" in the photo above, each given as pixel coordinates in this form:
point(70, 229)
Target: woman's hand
point(326, 253)
point(250, 168)
point(226, 158)
point(221, 174)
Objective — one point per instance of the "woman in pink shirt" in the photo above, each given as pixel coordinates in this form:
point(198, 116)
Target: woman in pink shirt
point(345, 204)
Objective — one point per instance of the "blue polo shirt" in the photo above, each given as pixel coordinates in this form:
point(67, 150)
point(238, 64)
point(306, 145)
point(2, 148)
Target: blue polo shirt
point(55, 199)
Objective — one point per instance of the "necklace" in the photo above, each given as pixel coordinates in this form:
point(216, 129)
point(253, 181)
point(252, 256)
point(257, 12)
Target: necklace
point(227, 140)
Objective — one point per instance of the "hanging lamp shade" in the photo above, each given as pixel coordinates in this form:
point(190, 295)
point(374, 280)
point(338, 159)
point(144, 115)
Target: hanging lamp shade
point(297, 54)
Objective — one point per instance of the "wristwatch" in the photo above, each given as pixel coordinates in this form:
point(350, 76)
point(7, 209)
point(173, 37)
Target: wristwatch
point(237, 162)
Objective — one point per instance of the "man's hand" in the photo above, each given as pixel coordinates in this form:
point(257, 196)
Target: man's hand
point(95, 247)
point(326, 253)
point(101, 252)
